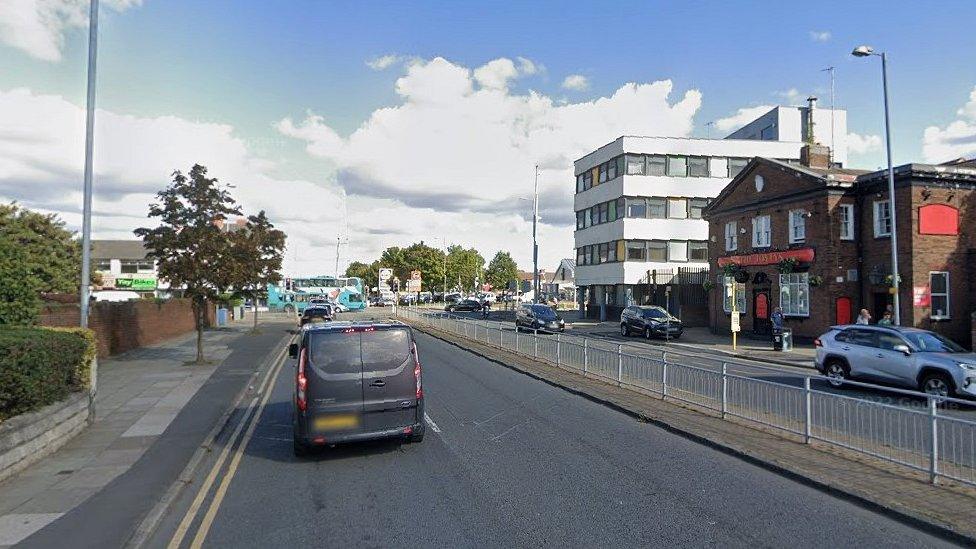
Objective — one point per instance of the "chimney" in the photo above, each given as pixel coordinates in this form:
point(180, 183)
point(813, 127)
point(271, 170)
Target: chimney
point(812, 102)
point(815, 156)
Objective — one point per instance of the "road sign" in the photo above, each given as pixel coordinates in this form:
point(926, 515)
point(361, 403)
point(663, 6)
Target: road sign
point(413, 285)
point(385, 275)
point(735, 321)
point(414, 275)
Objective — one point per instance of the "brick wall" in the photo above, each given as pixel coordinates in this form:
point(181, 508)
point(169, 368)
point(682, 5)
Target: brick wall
point(123, 326)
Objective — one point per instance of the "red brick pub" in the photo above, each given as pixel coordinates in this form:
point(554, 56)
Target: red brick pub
point(815, 241)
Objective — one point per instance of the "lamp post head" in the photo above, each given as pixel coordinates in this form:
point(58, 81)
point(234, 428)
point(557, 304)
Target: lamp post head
point(862, 51)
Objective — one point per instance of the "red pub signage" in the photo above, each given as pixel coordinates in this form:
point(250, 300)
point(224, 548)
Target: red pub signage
point(802, 255)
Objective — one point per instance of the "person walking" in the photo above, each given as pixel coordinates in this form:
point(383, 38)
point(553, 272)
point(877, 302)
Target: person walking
point(777, 318)
point(485, 308)
point(864, 317)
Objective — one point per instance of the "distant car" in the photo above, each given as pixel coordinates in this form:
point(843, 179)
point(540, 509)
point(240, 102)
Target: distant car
point(114, 296)
point(487, 297)
point(454, 297)
point(316, 313)
point(466, 305)
point(539, 318)
point(354, 382)
point(408, 299)
point(908, 357)
point(425, 297)
point(649, 321)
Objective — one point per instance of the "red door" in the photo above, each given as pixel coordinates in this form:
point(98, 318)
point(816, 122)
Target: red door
point(844, 310)
point(760, 313)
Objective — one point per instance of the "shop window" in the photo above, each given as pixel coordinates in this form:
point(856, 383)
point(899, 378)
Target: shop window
point(677, 208)
point(939, 292)
point(657, 251)
point(846, 213)
point(636, 251)
point(731, 236)
point(656, 165)
point(698, 251)
point(698, 166)
point(794, 294)
point(882, 218)
point(677, 250)
point(938, 219)
point(761, 232)
point(678, 166)
point(798, 226)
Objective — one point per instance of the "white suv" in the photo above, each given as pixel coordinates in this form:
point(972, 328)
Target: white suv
point(910, 357)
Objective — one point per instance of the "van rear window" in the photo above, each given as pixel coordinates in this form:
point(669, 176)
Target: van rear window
point(335, 352)
point(385, 349)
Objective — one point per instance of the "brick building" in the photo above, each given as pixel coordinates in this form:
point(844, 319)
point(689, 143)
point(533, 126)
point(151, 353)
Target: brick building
point(815, 241)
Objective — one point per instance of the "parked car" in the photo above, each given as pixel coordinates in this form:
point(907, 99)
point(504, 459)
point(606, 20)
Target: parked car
point(408, 299)
point(356, 381)
point(908, 357)
point(454, 297)
point(486, 297)
point(425, 297)
point(650, 321)
point(540, 318)
point(465, 305)
point(316, 313)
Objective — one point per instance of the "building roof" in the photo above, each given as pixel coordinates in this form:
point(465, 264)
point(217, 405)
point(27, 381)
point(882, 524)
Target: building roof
point(567, 264)
point(118, 249)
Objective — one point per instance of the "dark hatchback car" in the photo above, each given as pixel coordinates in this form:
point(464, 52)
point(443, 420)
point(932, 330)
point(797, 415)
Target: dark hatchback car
point(649, 321)
point(316, 313)
point(465, 305)
point(539, 318)
point(356, 381)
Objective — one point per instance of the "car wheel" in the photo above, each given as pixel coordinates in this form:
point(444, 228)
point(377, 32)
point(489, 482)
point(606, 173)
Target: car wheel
point(836, 372)
point(937, 384)
point(300, 449)
point(624, 330)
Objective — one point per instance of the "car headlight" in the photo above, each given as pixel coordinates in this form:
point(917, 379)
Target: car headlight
point(966, 365)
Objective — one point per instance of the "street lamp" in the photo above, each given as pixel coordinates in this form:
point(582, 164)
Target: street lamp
point(89, 149)
point(535, 243)
point(866, 51)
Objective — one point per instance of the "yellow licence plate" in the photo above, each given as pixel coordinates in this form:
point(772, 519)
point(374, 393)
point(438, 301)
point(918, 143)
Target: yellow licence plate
point(335, 422)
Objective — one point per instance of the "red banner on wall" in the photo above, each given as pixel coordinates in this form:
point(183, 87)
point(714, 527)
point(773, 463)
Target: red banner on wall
point(802, 255)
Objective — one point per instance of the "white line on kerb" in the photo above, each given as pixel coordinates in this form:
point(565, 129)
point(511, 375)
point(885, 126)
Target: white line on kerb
point(431, 423)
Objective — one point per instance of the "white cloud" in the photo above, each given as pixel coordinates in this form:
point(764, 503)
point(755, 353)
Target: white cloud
point(791, 96)
point(956, 139)
point(820, 36)
point(863, 144)
point(38, 27)
point(529, 67)
point(383, 62)
point(741, 117)
point(452, 158)
point(576, 82)
point(42, 157)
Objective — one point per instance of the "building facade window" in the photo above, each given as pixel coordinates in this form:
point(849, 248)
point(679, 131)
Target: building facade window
point(761, 232)
point(657, 208)
point(696, 206)
point(612, 251)
point(657, 250)
point(603, 172)
point(103, 265)
point(579, 257)
point(636, 207)
point(636, 251)
point(882, 218)
point(939, 288)
point(698, 166)
point(718, 166)
point(677, 250)
point(677, 166)
point(731, 236)
point(677, 208)
point(657, 165)
point(612, 169)
point(740, 297)
point(736, 165)
point(635, 164)
point(580, 223)
point(698, 251)
point(603, 211)
point(603, 252)
point(846, 213)
point(798, 226)
point(794, 294)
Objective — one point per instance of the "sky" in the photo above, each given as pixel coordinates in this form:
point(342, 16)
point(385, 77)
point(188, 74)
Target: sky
point(389, 123)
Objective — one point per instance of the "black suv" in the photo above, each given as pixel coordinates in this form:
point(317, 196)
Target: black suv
point(316, 313)
point(540, 318)
point(649, 321)
point(465, 305)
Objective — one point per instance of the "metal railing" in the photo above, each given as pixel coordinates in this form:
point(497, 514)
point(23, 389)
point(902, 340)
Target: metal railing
point(924, 438)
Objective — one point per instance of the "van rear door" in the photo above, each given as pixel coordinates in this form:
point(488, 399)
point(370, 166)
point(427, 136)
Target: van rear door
point(335, 382)
point(389, 385)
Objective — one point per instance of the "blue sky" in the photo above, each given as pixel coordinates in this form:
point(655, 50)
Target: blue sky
point(250, 65)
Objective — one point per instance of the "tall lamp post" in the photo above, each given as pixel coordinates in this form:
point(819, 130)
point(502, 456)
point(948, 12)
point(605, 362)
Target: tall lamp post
point(89, 149)
point(866, 51)
point(535, 243)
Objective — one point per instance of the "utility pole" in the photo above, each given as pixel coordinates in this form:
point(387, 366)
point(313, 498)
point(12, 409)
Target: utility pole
point(830, 72)
point(535, 243)
point(89, 150)
point(338, 242)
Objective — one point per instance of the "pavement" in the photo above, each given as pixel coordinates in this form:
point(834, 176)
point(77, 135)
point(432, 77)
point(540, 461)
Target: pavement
point(508, 460)
point(135, 441)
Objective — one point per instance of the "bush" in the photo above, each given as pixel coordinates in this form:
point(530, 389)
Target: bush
point(40, 366)
point(19, 290)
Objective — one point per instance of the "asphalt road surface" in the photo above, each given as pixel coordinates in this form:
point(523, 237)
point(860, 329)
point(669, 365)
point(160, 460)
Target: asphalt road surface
point(507, 461)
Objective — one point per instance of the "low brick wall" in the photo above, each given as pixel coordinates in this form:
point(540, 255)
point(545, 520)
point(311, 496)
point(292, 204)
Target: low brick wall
point(120, 327)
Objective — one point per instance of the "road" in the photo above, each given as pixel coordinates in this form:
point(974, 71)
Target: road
point(507, 461)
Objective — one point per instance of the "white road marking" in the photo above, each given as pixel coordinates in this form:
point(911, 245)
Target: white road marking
point(431, 423)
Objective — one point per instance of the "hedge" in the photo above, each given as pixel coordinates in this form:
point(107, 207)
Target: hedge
point(40, 366)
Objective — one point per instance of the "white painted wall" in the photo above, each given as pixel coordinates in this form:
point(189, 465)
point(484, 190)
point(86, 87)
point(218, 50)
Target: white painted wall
point(627, 272)
point(789, 124)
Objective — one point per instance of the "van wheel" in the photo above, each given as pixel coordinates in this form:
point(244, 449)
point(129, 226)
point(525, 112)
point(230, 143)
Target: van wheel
point(300, 449)
point(937, 384)
point(836, 372)
point(624, 330)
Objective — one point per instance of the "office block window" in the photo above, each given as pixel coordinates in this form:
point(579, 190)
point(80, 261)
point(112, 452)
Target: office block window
point(657, 250)
point(657, 165)
point(677, 208)
point(678, 166)
point(698, 166)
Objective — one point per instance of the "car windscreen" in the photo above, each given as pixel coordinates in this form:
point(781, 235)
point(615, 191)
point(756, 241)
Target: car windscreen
point(355, 298)
point(544, 313)
point(316, 311)
point(654, 312)
point(385, 349)
point(932, 343)
point(335, 352)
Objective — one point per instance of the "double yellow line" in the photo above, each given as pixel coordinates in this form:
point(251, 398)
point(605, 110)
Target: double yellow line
point(250, 419)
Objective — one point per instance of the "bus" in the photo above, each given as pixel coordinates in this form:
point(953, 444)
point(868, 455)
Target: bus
point(295, 294)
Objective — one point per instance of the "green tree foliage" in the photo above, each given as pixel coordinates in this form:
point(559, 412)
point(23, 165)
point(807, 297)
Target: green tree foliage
point(40, 366)
point(464, 266)
point(429, 261)
point(258, 250)
point(192, 251)
point(19, 286)
point(502, 270)
point(50, 252)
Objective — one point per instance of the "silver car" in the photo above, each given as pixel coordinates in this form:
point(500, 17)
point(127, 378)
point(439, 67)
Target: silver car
point(909, 357)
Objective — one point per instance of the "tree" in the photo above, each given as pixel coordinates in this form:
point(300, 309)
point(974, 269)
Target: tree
point(358, 269)
point(501, 270)
point(19, 287)
point(258, 250)
point(192, 251)
point(50, 252)
point(464, 266)
point(429, 261)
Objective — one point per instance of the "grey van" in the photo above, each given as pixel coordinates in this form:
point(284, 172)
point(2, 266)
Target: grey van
point(356, 381)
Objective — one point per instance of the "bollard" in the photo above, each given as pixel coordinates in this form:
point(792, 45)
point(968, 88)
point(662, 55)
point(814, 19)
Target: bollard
point(620, 364)
point(933, 442)
point(585, 356)
point(807, 419)
point(664, 380)
point(725, 390)
point(558, 351)
point(535, 344)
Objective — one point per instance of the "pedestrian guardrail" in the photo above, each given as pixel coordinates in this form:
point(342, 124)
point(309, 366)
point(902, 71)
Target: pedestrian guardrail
point(924, 438)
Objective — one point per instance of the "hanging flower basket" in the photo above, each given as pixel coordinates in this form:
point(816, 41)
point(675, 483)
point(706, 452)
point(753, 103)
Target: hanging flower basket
point(890, 280)
point(786, 266)
point(741, 276)
point(816, 280)
point(708, 285)
point(730, 269)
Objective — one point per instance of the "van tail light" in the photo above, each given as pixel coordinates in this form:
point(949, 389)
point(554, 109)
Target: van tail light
point(302, 382)
point(817, 342)
point(416, 372)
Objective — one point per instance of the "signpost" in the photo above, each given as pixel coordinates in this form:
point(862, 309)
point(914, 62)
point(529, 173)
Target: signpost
point(414, 283)
point(736, 287)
